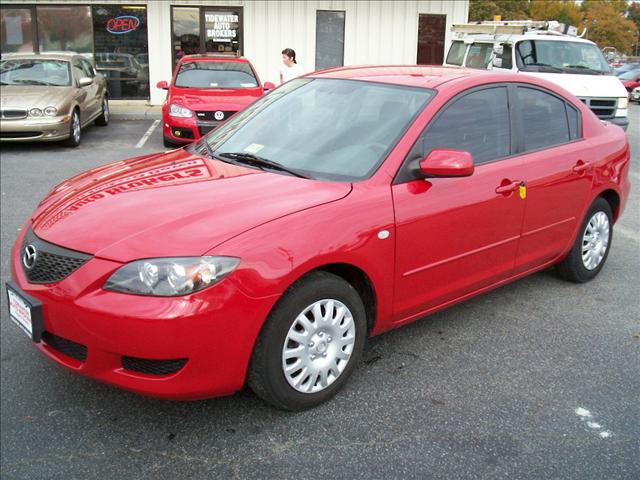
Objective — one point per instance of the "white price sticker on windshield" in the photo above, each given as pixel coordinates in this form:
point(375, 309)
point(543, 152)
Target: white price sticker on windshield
point(254, 148)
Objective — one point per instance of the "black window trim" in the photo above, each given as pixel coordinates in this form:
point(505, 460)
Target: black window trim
point(567, 104)
point(408, 172)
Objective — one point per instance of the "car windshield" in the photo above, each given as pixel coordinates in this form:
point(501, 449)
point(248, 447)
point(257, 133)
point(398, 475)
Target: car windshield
point(629, 75)
point(53, 73)
point(326, 129)
point(215, 74)
point(561, 56)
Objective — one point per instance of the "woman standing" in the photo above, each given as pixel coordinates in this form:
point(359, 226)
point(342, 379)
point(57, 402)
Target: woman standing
point(290, 68)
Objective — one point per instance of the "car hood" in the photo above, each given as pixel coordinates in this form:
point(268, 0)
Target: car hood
point(585, 85)
point(30, 96)
point(170, 204)
point(227, 100)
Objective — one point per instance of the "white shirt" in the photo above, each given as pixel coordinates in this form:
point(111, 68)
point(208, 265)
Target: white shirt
point(290, 72)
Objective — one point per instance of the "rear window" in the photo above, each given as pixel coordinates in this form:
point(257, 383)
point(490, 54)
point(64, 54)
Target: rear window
point(215, 75)
point(456, 53)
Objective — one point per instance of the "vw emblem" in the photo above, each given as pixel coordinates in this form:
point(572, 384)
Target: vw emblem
point(29, 257)
point(218, 115)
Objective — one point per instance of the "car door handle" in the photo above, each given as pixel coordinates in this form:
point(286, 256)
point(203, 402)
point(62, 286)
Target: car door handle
point(582, 167)
point(508, 188)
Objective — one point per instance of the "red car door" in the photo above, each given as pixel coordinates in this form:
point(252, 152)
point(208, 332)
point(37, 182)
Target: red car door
point(455, 236)
point(558, 174)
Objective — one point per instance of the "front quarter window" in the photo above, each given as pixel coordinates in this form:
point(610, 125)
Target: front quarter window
point(323, 128)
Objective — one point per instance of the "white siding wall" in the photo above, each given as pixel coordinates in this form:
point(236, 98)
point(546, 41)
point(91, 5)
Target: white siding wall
point(375, 31)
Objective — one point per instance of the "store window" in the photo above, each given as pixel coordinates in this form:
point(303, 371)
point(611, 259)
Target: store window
point(17, 32)
point(201, 30)
point(121, 53)
point(329, 39)
point(186, 32)
point(65, 29)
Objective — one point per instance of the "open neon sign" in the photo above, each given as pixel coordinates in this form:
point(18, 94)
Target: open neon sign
point(123, 24)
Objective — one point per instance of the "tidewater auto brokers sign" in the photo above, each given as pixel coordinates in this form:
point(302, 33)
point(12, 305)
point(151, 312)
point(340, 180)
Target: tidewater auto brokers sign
point(221, 26)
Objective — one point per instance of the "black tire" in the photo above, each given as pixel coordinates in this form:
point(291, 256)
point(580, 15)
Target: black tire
point(168, 143)
point(103, 119)
point(572, 268)
point(265, 375)
point(74, 136)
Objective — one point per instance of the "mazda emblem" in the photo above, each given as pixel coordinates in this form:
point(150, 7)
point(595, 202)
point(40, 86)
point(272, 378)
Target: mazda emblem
point(29, 257)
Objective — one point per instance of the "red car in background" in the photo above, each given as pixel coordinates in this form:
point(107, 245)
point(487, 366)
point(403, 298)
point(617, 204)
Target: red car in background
point(630, 79)
point(204, 92)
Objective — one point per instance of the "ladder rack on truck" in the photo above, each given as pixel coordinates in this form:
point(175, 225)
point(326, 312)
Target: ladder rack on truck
point(515, 27)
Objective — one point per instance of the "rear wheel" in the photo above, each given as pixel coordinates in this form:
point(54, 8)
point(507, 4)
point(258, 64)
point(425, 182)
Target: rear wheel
point(103, 119)
point(75, 130)
point(591, 248)
point(310, 344)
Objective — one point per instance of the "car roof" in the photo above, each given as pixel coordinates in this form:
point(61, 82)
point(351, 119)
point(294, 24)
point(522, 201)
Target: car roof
point(66, 56)
point(425, 76)
point(213, 58)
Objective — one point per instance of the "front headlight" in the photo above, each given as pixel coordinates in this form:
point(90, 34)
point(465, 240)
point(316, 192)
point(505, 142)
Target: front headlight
point(170, 277)
point(623, 102)
point(50, 111)
point(178, 111)
point(35, 112)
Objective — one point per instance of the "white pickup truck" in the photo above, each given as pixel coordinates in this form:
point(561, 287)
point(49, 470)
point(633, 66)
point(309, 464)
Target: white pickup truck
point(572, 62)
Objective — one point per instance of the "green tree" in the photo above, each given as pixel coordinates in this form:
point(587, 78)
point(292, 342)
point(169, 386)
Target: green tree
point(564, 11)
point(480, 10)
point(608, 27)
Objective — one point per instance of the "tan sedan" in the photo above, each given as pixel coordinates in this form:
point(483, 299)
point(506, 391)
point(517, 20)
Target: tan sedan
point(50, 97)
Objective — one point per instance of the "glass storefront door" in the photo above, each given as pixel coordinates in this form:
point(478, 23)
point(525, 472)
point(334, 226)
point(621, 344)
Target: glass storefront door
point(186, 32)
point(121, 54)
point(222, 30)
point(17, 33)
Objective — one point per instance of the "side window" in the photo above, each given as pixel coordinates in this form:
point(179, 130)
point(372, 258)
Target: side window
point(477, 123)
point(479, 55)
point(574, 122)
point(78, 71)
point(456, 53)
point(88, 68)
point(544, 119)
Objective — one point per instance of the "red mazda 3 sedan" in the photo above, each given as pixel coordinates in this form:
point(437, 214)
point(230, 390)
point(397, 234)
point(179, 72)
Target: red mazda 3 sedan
point(341, 205)
point(205, 91)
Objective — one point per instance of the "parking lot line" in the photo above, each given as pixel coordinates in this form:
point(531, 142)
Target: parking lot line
point(147, 134)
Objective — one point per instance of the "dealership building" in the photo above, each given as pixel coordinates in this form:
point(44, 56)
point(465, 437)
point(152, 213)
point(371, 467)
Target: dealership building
point(135, 45)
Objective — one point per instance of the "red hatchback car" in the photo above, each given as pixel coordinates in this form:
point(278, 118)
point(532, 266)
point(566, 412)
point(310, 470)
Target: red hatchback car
point(341, 205)
point(204, 92)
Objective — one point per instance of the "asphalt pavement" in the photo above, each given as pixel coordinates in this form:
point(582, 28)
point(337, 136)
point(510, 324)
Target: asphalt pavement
point(539, 379)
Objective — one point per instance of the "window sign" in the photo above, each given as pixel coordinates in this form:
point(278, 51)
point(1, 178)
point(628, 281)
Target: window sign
point(222, 31)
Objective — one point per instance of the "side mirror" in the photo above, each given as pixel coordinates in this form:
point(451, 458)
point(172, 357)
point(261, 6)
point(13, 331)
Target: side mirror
point(85, 81)
point(268, 86)
point(497, 62)
point(498, 49)
point(442, 162)
point(163, 85)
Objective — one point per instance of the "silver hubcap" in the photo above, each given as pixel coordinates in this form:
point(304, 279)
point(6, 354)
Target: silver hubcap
point(318, 346)
point(595, 240)
point(76, 127)
point(105, 110)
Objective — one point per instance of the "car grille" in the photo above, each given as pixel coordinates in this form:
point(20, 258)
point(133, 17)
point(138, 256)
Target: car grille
point(52, 263)
point(604, 108)
point(71, 349)
point(153, 367)
point(19, 134)
point(13, 113)
point(210, 115)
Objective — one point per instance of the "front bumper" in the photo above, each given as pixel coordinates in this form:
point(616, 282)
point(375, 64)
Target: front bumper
point(32, 129)
point(620, 121)
point(214, 330)
point(186, 130)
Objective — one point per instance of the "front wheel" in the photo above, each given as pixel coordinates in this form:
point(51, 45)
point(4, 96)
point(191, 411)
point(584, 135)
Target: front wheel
point(310, 344)
point(103, 119)
point(75, 130)
point(591, 248)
